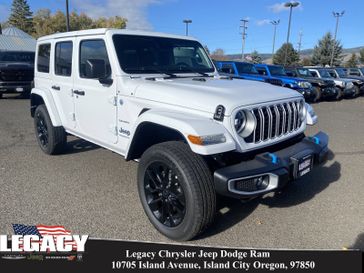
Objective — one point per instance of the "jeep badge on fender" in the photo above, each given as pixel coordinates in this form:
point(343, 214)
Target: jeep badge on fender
point(190, 128)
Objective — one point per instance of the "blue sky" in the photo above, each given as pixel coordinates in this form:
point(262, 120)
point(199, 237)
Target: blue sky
point(216, 23)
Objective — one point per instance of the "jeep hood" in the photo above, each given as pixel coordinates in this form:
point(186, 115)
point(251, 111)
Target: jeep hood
point(205, 94)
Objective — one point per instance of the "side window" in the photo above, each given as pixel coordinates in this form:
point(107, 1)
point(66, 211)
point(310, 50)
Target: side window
point(94, 62)
point(63, 59)
point(227, 68)
point(314, 74)
point(44, 52)
point(262, 71)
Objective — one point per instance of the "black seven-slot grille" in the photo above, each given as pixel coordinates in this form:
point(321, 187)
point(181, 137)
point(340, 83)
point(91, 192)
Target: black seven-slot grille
point(275, 81)
point(17, 75)
point(275, 120)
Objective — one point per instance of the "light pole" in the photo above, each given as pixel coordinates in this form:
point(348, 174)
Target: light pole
point(289, 5)
point(67, 17)
point(244, 22)
point(275, 23)
point(337, 15)
point(187, 21)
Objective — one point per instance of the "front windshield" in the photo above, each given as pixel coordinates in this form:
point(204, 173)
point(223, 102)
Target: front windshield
point(246, 68)
point(277, 71)
point(341, 72)
point(15, 56)
point(148, 54)
point(332, 73)
point(304, 72)
point(325, 74)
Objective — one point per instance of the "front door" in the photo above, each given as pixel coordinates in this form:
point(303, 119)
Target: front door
point(95, 107)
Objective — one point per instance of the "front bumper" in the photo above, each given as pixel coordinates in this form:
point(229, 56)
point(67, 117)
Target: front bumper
point(349, 92)
point(329, 92)
point(15, 87)
point(280, 167)
point(308, 93)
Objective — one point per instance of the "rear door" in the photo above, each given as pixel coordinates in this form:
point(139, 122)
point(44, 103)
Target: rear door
point(95, 103)
point(62, 80)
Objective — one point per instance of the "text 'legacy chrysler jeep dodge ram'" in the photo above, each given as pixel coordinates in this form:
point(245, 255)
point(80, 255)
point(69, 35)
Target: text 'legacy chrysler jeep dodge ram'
point(158, 99)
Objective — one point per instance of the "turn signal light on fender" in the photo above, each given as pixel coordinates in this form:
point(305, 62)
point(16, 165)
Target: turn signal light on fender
point(207, 140)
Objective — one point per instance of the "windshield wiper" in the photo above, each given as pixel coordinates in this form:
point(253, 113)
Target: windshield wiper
point(187, 69)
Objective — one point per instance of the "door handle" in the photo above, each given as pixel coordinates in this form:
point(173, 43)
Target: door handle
point(55, 87)
point(79, 92)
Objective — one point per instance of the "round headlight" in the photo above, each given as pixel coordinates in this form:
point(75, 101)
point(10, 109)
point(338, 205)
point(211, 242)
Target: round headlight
point(240, 121)
point(244, 123)
point(302, 111)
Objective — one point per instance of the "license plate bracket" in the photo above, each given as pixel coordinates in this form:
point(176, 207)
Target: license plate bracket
point(302, 165)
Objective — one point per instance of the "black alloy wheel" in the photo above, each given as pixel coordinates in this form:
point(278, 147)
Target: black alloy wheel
point(42, 130)
point(164, 194)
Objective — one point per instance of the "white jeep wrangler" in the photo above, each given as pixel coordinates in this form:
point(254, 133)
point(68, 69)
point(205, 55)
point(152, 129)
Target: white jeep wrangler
point(158, 99)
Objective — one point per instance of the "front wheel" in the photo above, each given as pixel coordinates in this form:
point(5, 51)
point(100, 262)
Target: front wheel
point(52, 140)
point(176, 190)
point(317, 94)
point(340, 94)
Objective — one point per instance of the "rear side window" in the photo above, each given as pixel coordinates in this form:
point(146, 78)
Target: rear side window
point(93, 52)
point(44, 52)
point(63, 59)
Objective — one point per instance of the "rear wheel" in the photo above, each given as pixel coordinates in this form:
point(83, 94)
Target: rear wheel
point(176, 190)
point(52, 140)
point(1, 96)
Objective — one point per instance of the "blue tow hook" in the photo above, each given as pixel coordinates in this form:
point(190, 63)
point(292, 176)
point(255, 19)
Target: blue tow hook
point(316, 140)
point(274, 158)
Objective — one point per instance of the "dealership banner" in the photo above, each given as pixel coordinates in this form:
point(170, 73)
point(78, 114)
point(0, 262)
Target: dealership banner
point(86, 255)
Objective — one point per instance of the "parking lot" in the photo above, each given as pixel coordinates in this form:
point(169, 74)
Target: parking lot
point(93, 191)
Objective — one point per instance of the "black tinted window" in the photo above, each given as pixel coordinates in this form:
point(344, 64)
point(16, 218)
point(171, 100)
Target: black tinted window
point(63, 59)
point(44, 52)
point(246, 68)
point(93, 53)
point(146, 54)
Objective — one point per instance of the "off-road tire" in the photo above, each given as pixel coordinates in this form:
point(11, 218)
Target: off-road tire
point(56, 136)
point(318, 94)
point(196, 181)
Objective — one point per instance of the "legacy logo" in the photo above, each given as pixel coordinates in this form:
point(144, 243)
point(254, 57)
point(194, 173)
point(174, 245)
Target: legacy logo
point(34, 243)
point(42, 238)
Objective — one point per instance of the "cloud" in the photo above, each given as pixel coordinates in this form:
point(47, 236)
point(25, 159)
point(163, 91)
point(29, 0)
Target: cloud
point(133, 10)
point(262, 22)
point(279, 7)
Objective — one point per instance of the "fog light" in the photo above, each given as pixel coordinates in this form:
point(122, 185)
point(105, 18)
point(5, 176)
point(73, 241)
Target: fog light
point(252, 184)
point(262, 182)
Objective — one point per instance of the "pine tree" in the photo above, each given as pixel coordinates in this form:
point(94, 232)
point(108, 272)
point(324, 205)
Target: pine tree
point(353, 61)
point(323, 51)
point(21, 16)
point(280, 56)
point(255, 57)
point(361, 56)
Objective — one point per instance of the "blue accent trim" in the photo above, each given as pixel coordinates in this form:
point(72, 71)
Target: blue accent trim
point(274, 158)
point(316, 139)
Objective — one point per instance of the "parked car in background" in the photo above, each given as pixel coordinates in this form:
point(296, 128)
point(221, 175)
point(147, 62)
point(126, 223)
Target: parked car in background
point(246, 71)
point(16, 72)
point(346, 85)
point(324, 88)
point(357, 80)
point(298, 84)
point(355, 71)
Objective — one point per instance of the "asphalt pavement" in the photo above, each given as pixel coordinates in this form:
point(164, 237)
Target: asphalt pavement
point(90, 190)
